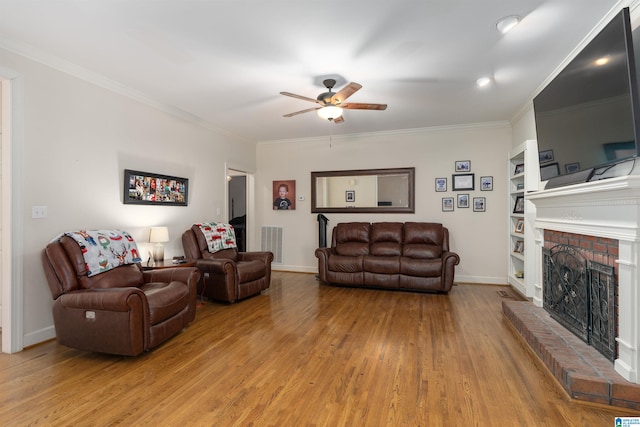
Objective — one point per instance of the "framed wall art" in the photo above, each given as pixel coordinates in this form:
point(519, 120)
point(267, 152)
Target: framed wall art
point(146, 188)
point(518, 208)
point(350, 196)
point(463, 200)
point(519, 226)
point(486, 183)
point(463, 165)
point(284, 195)
point(447, 204)
point(479, 204)
point(463, 181)
point(441, 184)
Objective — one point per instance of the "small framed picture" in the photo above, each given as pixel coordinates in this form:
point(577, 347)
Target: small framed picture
point(463, 200)
point(350, 196)
point(447, 204)
point(463, 181)
point(463, 165)
point(486, 183)
point(518, 208)
point(518, 246)
point(549, 171)
point(519, 226)
point(545, 156)
point(572, 167)
point(441, 184)
point(519, 169)
point(479, 204)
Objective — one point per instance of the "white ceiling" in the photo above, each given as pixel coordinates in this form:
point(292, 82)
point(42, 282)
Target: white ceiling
point(225, 61)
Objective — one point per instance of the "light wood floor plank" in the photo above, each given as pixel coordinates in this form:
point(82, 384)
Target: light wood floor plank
point(303, 354)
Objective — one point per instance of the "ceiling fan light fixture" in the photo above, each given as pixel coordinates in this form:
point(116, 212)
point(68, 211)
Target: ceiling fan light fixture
point(507, 23)
point(330, 112)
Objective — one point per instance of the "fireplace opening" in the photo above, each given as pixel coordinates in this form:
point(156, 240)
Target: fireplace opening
point(580, 293)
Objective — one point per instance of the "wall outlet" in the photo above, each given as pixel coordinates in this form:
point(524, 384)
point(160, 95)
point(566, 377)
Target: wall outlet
point(38, 211)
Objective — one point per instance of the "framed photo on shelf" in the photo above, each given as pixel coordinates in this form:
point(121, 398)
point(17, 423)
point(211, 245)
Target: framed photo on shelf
point(545, 156)
point(447, 204)
point(463, 181)
point(519, 169)
point(479, 204)
point(486, 183)
point(463, 200)
point(518, 208)
point(441, 184)
point(572, 167)
point(463, 165)
point(519, 226)
point(518, 247)
point(548, 171)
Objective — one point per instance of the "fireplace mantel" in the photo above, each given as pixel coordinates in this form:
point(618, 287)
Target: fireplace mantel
point(607, 208)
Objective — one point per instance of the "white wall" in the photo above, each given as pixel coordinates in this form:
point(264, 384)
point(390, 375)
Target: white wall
point(78, 139)
point(477, 237)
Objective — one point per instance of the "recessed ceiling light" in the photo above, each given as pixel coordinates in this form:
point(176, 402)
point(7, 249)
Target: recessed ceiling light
point(602, 61)
point(507, 23)
point(483, 81)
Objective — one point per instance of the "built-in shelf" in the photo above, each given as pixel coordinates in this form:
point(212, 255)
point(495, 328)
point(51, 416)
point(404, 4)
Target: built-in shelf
point(524, 177)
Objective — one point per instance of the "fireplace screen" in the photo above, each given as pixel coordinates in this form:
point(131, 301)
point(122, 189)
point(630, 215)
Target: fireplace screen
point(579, 294)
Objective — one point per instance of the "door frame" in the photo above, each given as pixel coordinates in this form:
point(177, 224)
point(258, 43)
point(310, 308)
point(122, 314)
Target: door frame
point(251, 220)
point(12, 246)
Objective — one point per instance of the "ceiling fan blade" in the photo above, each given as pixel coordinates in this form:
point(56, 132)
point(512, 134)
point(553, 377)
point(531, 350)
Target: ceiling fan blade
point(304, 98)
point(345, 92)
point(301, 112)
point(339, 119)
point(360, 106)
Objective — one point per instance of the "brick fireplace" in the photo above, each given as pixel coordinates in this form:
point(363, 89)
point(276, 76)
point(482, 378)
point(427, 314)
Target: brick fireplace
point(598, 214)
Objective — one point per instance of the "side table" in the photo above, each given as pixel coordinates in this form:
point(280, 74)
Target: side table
point(167, 263)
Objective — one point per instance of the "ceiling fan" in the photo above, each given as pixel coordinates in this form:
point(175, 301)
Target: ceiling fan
point(332, 103)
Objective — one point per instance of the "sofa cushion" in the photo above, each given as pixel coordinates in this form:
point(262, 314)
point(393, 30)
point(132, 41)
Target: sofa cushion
point(345, 264)
point(352, 238)
point(249, 271)
point(386, 239)
point(421, 267)
point(423, 240)
point(382, 264)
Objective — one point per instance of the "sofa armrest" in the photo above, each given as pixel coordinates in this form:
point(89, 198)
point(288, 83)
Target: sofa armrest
point(323, 261)
point(216, 265)
point(449, 261)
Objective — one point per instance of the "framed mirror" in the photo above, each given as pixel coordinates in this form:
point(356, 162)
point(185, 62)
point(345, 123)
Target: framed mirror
point(363, 191)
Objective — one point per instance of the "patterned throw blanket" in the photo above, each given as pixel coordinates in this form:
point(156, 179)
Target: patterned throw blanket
point(105, 249)
point(218, 235)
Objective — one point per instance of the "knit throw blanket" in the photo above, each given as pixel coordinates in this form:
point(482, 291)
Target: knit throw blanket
point(105, 249)
point(219, 236)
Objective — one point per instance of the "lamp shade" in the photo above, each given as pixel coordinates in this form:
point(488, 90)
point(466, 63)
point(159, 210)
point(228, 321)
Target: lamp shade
point(330, 112)
point(159, 235)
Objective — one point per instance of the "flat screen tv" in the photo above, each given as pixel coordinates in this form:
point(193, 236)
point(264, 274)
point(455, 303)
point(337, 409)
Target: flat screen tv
point(587, 117)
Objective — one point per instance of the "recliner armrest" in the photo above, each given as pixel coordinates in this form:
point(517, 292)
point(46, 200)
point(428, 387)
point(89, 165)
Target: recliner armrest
point(216, 265)
point(188, 275)
point(111, 299)
point(266, 257)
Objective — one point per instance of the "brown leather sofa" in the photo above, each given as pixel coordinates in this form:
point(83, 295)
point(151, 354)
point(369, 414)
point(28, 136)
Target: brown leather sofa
point(390, 255)
point(123, 311)
point(228, 275)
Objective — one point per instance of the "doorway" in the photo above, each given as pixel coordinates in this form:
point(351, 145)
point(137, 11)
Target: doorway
point(237, 206)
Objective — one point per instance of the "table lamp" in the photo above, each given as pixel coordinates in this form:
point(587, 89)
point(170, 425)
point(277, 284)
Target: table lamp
point(158, 235)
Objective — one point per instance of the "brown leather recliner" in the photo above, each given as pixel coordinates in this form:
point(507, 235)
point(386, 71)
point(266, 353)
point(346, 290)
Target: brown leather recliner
point(123, 311)
point(228, 275)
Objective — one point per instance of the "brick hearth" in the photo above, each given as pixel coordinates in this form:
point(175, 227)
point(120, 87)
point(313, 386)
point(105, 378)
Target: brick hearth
point(582, 371)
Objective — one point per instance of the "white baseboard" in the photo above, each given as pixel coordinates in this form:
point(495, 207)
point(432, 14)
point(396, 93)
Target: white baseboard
point(39, 336)
point(484, 280)
point(294, 268)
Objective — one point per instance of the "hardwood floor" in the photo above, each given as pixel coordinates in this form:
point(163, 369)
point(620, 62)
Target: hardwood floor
point(303, 354)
